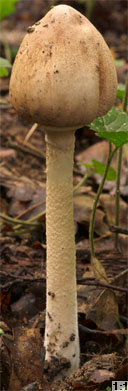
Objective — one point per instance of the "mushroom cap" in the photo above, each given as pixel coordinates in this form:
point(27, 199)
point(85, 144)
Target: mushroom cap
point(63, 75)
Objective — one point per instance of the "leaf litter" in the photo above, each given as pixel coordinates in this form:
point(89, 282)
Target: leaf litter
point(24, 260)
point(24, 198)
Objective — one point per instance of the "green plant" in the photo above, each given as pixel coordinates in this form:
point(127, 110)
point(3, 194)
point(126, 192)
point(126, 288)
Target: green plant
point(120, 91)
point(4, 65)
point(97, 168)
point(125, 99)
point(113, 127)
point(7, 7)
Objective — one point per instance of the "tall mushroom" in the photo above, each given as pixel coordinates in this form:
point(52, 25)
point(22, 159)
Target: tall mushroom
point(62, 78)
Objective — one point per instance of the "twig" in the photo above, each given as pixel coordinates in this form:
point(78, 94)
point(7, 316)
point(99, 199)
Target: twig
point(30, 132)
point(17, 231)
point(30, 147)
point(16, 221)
point(124, 319)
point(75, 188)
point(29, 209)
point(25, 149)
point(30, 221)
point(33, 218)
point(103, 332)
point(84, 281)
point(119, 230)
point(21, 280)
point(98, 283)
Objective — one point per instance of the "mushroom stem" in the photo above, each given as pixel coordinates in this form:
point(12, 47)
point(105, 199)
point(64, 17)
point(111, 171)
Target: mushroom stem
point(61, 332)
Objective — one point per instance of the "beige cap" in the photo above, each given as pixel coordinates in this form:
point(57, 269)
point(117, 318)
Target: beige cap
point(63, 74)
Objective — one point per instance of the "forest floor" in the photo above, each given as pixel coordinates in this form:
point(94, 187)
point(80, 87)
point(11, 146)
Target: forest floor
point(103, 342)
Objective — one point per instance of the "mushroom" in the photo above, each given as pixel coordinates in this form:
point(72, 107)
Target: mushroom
point(62, 78)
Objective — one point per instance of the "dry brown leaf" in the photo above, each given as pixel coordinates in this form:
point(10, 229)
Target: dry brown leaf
point(83, 205)
point(27, 359)
point(104, 311)
point(101, 375)
point(99, 271)
point(99, 306)
point(7, 153)
point(108, 203)
point(92, 152)
point(105, 363)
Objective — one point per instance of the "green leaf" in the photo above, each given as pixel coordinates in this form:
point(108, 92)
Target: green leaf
point(99, 168)
point(120, 91)
point(7, 7)
point(88, 165)
point(4, 63)
point(118, 62)
point(3, 72)
point(3, 102)
point(113, 126)
point(1, 331)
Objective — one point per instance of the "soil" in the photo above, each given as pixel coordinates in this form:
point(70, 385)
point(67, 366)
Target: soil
point(103, 342)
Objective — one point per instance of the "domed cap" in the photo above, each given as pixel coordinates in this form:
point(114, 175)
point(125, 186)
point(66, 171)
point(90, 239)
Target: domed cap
point(63, 74)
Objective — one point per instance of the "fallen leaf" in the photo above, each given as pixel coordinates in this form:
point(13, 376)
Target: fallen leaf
point(5, 298)
point(108, 203)
point(103, 362)
point(104, 311)
point(122, 371)
point(27, 359)
point(80, 386)
point(99, 270)
point(101, 375)
point(83, 205)
point(7, 153)
point(92, 152)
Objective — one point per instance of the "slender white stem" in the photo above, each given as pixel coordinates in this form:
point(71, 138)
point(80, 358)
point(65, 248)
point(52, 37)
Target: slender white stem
point(61, 333)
